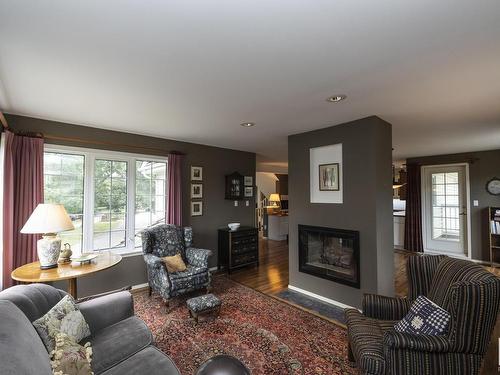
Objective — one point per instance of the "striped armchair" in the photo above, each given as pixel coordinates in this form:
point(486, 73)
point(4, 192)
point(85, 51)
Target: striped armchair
point(467, 291)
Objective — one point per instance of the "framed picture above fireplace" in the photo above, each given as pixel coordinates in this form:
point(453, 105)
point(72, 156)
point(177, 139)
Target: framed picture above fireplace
point(330, 253)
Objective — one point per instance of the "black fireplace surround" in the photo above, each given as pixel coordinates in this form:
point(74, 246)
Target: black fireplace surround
point(329, 253)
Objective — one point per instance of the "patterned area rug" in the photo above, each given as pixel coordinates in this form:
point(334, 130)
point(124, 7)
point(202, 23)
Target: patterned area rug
point(269, 336)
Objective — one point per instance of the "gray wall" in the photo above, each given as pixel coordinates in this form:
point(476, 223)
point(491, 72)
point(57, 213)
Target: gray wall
point(483, 166)
point(367, 206)
point(216, 163)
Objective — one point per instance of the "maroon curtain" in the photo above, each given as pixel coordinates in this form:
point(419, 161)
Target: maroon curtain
point(413, 221)
point(174, 202)
point(23, 191)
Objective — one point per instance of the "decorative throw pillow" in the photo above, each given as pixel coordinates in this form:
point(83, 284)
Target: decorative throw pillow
point(424, 317)
point(69, 357)
point(174, 263)
point(64, 317)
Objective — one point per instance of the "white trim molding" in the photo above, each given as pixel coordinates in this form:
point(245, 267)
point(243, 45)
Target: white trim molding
point(321, 298)
point(467, 241)
point(140, 286)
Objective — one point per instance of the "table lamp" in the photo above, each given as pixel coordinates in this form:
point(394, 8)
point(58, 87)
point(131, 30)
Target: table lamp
point(48, 219)
point(274, 203)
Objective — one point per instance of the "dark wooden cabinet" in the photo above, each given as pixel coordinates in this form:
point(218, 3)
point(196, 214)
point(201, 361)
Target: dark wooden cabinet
point(238, 248)
point(234, 186)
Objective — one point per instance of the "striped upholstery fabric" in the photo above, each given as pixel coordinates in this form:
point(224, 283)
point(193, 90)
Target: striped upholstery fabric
point(369, 334)
point(467, 291)
point(385, 308)
point(420, 270)
point(449, 272)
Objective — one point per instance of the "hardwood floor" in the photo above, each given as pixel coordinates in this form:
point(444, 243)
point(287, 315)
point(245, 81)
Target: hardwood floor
point(271, 277)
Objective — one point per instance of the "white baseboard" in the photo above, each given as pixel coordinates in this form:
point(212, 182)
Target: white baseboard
point(321, 298)
point(140, 286)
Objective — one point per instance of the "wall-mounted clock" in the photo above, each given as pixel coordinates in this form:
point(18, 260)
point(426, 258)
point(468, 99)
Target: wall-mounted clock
point(493, 186)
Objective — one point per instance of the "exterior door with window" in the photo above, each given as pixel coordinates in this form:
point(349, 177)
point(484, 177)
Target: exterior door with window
point(444, 190)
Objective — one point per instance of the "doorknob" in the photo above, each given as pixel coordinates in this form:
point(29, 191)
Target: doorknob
point(463, 213)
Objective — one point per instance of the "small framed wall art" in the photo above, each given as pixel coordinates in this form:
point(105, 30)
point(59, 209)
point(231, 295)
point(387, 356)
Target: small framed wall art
point(248, 191)
point(196, 173)
point(196, 191)
point(196, 208)
point(248, 181)
point(329, 177)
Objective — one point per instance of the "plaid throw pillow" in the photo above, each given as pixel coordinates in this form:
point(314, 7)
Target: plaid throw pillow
point(424, 317)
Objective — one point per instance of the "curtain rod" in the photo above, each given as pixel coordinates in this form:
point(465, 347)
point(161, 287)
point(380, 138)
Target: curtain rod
point(106, 143)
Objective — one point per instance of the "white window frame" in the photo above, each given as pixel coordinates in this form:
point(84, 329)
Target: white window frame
point(91, 155)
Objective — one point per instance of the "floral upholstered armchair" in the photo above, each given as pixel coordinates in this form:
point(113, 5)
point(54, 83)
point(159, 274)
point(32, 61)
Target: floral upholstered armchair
point(168, 240)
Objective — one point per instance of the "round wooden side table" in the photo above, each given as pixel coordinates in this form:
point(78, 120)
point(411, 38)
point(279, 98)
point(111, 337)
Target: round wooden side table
point(31, 272)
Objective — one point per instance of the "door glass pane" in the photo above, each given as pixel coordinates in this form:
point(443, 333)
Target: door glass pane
point(63, 184)
point(110, 204)
point(445, 207)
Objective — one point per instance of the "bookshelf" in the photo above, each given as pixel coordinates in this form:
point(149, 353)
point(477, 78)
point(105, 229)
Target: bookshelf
point(494, 235)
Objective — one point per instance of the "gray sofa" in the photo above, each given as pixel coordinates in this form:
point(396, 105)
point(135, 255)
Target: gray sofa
point(121, 342)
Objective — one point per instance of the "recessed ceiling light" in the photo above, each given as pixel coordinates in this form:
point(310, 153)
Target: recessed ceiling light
point(247, 124)
point(336, 98)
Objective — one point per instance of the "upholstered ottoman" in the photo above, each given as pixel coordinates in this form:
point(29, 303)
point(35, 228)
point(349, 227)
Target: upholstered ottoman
point(205, 304)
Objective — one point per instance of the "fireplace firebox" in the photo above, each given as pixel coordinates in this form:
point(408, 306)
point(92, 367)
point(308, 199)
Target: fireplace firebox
point(329, 253)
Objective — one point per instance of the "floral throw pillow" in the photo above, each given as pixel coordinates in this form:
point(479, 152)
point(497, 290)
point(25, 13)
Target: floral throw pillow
point(70, 358)
point(424, 317)
point(64, 317)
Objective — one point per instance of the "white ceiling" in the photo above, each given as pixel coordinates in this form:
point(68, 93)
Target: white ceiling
point(194, 70)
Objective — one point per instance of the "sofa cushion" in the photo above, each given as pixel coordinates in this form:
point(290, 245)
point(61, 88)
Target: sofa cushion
point(149, 361)
point(21, 350)
point(189, 278)
point(117, 342)
point(366, 337)
point(34, 300)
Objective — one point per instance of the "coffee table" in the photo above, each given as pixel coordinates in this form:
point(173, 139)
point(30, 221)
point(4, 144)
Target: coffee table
point(31, 272)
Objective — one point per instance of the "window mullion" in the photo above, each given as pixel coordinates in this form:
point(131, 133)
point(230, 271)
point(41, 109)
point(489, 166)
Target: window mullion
point(88, 211)
point(130, 217)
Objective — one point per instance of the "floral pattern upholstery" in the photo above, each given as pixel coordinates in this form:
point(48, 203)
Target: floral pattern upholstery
point(64, 317)
point(168, 240)
point(203, 303)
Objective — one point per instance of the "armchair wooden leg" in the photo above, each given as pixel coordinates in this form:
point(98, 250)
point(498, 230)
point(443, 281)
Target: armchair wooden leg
point(166, 304)
point(150, 290)
point(209, 289)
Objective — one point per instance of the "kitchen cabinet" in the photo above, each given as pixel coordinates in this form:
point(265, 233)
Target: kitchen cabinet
point(399, 231)
point(277, 227)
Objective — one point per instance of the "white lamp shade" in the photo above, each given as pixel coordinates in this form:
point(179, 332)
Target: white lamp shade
point(274, 197)
point(48, 218)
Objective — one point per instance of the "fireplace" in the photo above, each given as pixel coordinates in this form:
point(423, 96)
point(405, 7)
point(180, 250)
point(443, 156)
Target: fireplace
point(329, 253)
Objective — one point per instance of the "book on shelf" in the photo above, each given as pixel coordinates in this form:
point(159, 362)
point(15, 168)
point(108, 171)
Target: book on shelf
point(495, 226)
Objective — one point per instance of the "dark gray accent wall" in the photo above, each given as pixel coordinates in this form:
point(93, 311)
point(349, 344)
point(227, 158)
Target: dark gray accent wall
point(216, 163)
point(367, 204)
point(483, 166)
